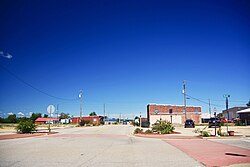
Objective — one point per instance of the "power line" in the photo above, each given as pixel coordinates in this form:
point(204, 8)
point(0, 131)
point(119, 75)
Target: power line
point(200, 100)
point(33, 87)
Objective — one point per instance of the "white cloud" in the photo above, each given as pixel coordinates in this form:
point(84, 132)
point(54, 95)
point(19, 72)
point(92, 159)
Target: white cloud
point(20, 113)
point(10, 113)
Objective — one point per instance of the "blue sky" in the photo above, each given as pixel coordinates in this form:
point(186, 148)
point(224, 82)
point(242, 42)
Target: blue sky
point(123, 53)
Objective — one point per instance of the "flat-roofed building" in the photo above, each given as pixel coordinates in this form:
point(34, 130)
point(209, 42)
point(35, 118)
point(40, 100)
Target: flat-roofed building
point(175, 112)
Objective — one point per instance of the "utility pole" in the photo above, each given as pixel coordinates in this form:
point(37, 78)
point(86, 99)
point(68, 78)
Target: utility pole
point(140, 119)
point(104, 113)
point(57, 110)
point(120, 118)
point(209, 107)
point(227, 96)
point(80, 97)
point(184, 93)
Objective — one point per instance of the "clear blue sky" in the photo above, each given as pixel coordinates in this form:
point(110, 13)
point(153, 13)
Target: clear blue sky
point(123, 53)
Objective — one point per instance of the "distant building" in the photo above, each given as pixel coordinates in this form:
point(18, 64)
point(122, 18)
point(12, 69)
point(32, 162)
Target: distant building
point(109, 121)
point(40, 121)
point(65, 121)
point(88, 119)
point(162, 112)
point(244, 116)
point(232, 112)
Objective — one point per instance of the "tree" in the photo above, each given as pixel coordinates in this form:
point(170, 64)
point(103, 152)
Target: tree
point(34, 116)
point(12, 118)
point(248, 104)
point(45, 116)
point(21, 119)
point(92, 114)
point(64, 115)
point(220, 115)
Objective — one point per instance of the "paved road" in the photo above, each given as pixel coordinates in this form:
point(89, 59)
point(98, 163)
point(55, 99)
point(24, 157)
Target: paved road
point(92, 146)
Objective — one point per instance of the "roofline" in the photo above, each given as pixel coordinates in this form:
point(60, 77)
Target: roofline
point(170, 105)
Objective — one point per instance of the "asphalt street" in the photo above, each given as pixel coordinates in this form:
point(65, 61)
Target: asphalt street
point(110, 145)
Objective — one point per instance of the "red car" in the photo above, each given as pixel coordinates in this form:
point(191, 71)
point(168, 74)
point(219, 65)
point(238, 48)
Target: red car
point(225, 121)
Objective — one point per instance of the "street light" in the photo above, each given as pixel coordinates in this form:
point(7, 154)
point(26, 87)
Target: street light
point(80, 97)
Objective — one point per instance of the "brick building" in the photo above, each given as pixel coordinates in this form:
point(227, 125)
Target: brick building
point(232, 112)
point(88, 119)
point(162, 112)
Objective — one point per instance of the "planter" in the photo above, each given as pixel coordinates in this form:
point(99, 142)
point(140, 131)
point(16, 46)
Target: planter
point(231, 133)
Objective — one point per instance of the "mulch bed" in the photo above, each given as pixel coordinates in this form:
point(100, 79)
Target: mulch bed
point(165, 136)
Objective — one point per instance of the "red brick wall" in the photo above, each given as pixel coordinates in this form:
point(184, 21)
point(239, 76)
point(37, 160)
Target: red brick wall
point(191, 111)
point(90, 119)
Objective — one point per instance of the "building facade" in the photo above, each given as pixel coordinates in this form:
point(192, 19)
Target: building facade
point(173, 113)
point(232, 112)
point(88, 119)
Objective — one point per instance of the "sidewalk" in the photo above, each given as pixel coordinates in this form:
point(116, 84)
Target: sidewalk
point(212, 153)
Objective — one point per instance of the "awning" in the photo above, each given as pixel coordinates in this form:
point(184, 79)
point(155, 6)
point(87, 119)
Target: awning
point(243, 111)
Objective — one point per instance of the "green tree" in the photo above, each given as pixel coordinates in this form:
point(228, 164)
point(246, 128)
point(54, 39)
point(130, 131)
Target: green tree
point(220, 115)
point(92, 114)
point(12, 118)
point(34, 116)
point(45, 116)
point(64, 115)
point(248, 104)
point(21, 119)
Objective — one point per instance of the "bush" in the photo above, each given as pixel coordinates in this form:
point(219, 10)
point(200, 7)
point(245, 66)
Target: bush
point(239, 122)
point(138, 130)
point(205, 134)
point(163, 127)
point(26, 126)
point(148, 131)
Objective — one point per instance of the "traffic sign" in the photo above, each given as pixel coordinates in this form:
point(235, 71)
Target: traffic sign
point(51, 108)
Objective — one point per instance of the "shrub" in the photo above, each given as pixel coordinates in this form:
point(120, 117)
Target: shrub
point(239, 122)
point(138, 130)
point(205, 134)
point(219, 132)
point(148, 131)
point(163, 127)
point(26, 126)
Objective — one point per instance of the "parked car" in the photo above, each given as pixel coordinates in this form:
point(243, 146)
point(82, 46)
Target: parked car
point(214, 122)
point(189, 123)
point(225, 121)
